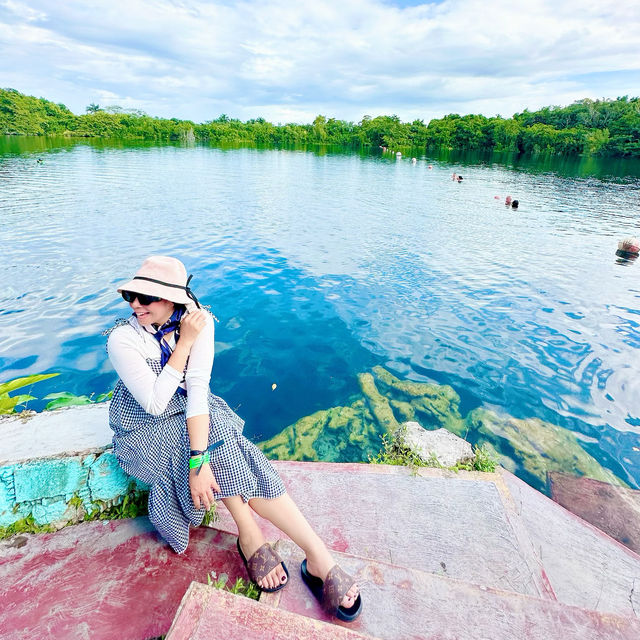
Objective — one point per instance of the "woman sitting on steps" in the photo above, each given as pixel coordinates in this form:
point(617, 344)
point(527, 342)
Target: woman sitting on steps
point(172, 433)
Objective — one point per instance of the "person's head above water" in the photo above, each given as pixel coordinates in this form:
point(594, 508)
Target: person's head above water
point(159, 279)
point(514, 204)
point(507, 200)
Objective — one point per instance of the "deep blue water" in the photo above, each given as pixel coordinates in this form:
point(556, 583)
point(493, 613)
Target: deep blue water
point(320, 265)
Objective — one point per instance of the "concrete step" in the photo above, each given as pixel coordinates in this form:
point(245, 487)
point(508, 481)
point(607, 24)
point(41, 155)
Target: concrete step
point(463, 525)
point(103, 580)
point(400, 603)
point(483, 528)
point(614, 510)
point(206, 613)
point(584, 566)
point(480, 533)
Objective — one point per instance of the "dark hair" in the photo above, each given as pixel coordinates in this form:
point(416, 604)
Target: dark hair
point(514, 204)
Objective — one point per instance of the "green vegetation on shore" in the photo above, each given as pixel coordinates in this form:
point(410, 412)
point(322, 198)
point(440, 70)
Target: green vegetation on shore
point(602, 127)
point(59, 400)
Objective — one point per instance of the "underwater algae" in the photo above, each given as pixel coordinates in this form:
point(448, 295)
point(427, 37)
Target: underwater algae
point(353, 433)
point(535, 447)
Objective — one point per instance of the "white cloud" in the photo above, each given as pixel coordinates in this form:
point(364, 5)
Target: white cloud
point(289, 61)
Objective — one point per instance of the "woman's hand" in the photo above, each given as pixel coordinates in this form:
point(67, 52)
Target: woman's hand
point(203, 485)
point(191, 325)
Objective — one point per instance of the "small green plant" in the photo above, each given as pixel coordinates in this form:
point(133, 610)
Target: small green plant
point(484, 460)
point(25, 525)
point(134, 504)
point(210, 516)
point(239, 587)
point(395, 452)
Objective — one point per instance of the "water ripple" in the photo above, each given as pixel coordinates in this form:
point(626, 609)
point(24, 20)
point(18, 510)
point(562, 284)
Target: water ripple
point(321, 266)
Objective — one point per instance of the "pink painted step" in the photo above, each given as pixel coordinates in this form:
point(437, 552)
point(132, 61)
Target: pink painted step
point(207, 613)
point(400, 603)
point(103, 580)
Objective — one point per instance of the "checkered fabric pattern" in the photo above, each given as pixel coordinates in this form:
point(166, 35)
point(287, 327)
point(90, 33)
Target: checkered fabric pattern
point(155, 449)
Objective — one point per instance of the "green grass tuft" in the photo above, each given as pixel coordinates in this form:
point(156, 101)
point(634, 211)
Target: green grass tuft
point(239, 587)
point(395, 453)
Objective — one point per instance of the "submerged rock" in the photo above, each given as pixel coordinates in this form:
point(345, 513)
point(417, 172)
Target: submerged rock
point(353, 433)
point(533, 447)
point(530, 448)
point(432, 405)
point(339, 434)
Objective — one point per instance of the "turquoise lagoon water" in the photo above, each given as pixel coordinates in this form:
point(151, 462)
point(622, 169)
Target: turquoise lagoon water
point(321, 264)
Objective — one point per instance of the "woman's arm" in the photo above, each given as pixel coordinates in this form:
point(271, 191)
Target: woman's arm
point(152, 392)
point(198, 375)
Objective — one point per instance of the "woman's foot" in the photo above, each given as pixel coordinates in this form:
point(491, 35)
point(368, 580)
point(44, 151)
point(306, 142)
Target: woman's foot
point(248, 545)
point(319, 566)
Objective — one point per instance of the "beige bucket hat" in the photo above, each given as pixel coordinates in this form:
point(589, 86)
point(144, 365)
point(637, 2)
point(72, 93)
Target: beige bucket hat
point(164, 277)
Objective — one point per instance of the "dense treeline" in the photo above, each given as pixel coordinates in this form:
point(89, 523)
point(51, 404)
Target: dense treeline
point(605, 127)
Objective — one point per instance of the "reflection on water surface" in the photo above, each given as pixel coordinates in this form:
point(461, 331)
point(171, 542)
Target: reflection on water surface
point(323, 264)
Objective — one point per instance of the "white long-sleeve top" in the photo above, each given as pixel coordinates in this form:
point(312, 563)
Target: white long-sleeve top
point(130, 345)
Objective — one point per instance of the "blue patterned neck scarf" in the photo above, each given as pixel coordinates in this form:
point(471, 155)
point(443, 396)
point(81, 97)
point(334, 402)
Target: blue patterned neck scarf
point(172, 324)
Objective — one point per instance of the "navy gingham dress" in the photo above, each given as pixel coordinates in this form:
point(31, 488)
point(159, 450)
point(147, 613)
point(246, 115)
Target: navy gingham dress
point(155, 450)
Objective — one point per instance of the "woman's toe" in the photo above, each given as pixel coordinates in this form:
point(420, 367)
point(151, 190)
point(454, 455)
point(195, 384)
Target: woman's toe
point(350, 597)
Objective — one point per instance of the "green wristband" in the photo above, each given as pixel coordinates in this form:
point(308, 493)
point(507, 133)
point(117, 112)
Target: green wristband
point(198, 461)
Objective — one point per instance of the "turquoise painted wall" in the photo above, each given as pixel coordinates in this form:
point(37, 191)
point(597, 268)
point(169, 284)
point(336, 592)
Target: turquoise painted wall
point(45, 488)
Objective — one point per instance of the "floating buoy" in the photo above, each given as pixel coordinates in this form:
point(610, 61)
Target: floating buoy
point(629, 245)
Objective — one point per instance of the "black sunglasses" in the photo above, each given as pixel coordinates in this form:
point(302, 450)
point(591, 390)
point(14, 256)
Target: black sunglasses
point(143, 298)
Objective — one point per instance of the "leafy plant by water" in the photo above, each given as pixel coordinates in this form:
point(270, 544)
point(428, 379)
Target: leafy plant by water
point(67, 399)
point(9, 403)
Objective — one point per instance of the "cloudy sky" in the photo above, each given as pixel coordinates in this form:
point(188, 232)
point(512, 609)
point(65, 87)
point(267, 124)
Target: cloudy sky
point(289, 60)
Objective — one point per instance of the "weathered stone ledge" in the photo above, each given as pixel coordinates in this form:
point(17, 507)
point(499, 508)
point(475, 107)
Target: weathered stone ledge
point(58, 466)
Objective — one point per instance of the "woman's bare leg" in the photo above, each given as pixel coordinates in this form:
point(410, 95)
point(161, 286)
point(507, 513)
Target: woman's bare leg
point(251, 538)
point(284, 514)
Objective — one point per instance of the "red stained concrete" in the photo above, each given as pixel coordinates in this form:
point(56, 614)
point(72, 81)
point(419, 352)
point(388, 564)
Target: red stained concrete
point(614, 510)
point(437, 555)
point(207, 613)
point(426, 521)
point(113, 579)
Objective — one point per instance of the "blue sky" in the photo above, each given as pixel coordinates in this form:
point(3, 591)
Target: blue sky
point(288, 61)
